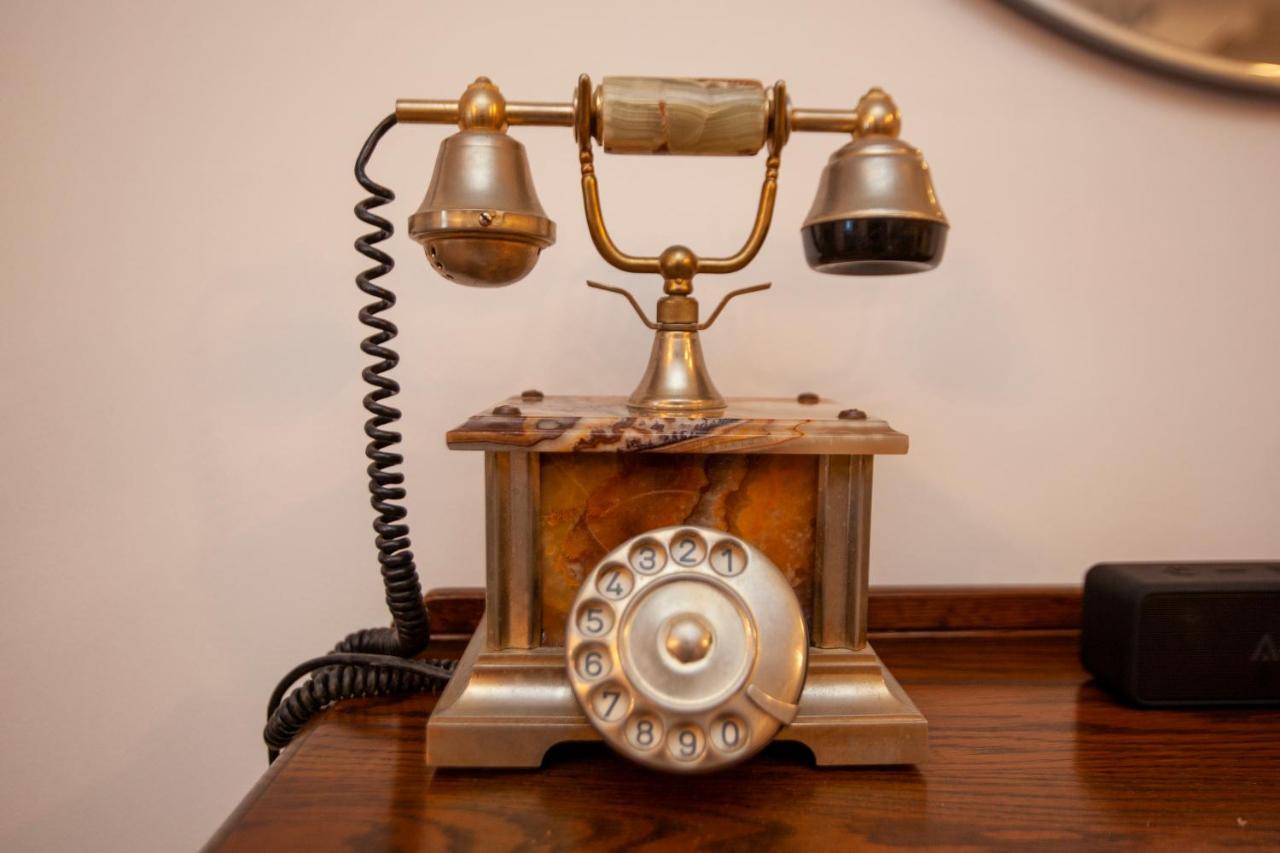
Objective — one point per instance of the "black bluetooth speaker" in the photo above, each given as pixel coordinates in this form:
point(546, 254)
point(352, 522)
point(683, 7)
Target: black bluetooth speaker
point(1163, 634)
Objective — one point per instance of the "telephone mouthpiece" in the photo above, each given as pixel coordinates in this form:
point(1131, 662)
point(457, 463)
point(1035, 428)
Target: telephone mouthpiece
point(875, 212)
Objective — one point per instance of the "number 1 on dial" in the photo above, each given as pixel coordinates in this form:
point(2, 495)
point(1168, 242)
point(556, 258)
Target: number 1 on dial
point(728, 559)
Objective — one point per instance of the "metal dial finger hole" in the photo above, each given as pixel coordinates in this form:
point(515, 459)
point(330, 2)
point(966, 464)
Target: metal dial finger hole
point(595, 618)
point(615, 582)
point(648, 557)
point(729, 733)
point(728, 558)
point(610, 702)
point(644, 731)
point(592, 662)
point(688, 548)
point(686, 743)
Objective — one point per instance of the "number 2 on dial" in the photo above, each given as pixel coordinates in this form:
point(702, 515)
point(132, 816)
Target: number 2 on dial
point(688, 549)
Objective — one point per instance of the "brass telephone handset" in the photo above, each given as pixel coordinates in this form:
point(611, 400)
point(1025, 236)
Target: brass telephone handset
point(701, 587)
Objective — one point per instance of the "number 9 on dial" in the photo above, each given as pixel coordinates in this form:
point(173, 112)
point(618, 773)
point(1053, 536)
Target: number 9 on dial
point(686, 743)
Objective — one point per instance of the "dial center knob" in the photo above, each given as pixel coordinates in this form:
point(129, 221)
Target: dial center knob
point(688, 638)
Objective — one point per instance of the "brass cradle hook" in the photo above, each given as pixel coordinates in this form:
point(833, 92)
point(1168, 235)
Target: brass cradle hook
point(676, 378)
point(703, 326)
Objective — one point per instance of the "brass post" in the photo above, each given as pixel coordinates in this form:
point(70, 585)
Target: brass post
point(512, 602)
point(842, 552)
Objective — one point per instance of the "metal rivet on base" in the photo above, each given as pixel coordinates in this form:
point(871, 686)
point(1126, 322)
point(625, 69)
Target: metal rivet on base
point(853, 415)
point(531, 395)
point(511, 411)
point(807, 398)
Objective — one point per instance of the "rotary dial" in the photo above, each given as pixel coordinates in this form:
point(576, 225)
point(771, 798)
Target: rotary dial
point(686, 648)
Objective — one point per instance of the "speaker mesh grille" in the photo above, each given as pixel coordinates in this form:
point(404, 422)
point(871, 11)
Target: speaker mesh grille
point(1208, 646)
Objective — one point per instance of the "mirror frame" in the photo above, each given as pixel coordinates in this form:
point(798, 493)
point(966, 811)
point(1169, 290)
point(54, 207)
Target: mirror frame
point(1098, 32)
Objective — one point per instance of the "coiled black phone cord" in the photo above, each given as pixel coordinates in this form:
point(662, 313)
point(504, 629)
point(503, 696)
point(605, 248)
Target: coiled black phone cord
point(373, 661)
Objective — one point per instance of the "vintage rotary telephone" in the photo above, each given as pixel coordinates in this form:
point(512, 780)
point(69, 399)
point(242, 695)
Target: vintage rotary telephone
point(680, 575)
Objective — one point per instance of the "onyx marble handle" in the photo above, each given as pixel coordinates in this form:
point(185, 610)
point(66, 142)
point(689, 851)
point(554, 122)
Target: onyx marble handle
point(682, 115)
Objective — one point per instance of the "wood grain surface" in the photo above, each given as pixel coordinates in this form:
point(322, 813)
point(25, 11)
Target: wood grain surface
point(455, 611)
point(1025, 751)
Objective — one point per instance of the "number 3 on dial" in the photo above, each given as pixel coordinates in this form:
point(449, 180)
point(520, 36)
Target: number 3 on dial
point(648, 557)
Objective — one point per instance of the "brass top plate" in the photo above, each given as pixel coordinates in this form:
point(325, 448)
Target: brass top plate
point(606, 425)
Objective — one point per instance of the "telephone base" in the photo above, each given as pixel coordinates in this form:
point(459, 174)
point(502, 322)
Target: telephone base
point(854, 712)
point(506, 708)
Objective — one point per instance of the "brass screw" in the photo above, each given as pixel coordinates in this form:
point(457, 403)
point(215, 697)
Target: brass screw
point(807, 398)
point(853, 415)
point(532, 395)
point(510, 411)
point(486, 218)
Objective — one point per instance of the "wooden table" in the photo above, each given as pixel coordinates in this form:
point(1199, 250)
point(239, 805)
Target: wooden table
point(1025, 751)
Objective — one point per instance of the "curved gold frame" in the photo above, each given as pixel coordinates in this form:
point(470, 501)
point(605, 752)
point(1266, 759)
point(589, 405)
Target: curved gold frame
point(583, 106)
point(1098, 32)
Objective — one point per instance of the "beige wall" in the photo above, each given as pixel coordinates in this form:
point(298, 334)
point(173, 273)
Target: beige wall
point(1090, 375)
